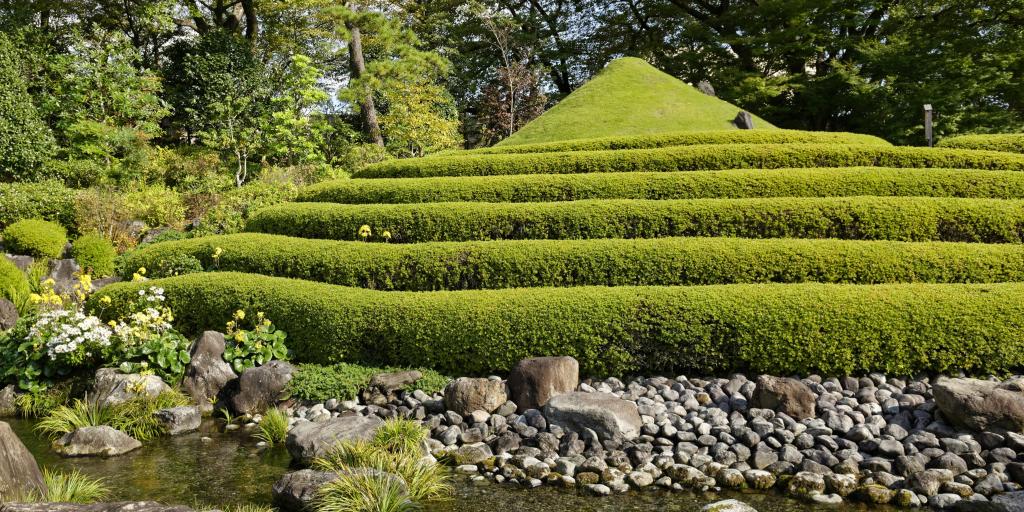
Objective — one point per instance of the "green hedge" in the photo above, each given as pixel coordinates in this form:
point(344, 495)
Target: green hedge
point(862, 218)
point(614, 262)
point(49, 200)
point(858, 181)
point(1009, 142)
point(694, 158)
point(36, 238)
point(94, 254)
point(662, 140)
point(789, 328)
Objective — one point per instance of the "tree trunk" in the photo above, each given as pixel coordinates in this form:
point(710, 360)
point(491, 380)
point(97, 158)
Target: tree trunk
point(358, 68)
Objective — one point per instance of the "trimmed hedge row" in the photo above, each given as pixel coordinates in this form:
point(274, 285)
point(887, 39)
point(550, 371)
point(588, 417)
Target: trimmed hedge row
point(694, 158)
point(1009, 142)
point(614, 262)
point(862, 218)
point(858, 181)
point(783, 329)
point(662, 140)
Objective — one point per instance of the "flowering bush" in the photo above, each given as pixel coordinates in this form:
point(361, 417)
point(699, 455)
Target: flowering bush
point(146, 340)
point(71, 337)
point(255, 346)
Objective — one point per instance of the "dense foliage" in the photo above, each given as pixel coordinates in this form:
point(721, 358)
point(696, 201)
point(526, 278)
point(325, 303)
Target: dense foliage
point(94, 254)
point(26, 140)
point(843, 329)
point(343, 381)
point(48, 200)
point(13, 283)
point(37, 238)
point(1011, 143)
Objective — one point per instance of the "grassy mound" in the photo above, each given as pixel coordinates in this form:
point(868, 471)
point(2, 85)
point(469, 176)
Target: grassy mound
point(630, 97)
point(856, 181)
point(862, 218)
point(615, 262)
point(791, 328)
point(694, 158)
point(1010, 143)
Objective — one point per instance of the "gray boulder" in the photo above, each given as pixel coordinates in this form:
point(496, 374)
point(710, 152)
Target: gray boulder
point(22, 262)
point(465, 395)
point(294, 492)
point(981, 404)
point(307, 441)
point(125, 506)
point(789, 396)
point(207, 373)
point(101, 441)
point(535, 381)
point(705, 87)
point(8, 314)
point(113, 387)
point(8, 401)
point(728, 506)
point(260, 388)
point(744, 121)
point(19, 472)
point(1006, 502)
point(64, 273)
point(179, 420)
point(606, 414)
point(383, 386)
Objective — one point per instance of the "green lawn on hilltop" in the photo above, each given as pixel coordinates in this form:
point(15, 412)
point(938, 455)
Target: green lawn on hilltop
point(630, 97)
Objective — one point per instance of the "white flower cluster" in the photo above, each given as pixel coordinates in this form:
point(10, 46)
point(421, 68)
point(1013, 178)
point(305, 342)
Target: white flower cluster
point(67, 331)
point(152, 294)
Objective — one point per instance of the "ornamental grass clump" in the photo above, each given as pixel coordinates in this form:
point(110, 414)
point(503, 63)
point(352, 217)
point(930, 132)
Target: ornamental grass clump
point(134, 417)
point(73, 487)
point(273, 428)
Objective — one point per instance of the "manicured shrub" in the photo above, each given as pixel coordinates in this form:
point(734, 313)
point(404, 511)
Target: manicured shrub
point(858, 181)
point(604, 262)
point(1009, 142)
point(343, 381)
point(662, 140)
point(862, 218)
point(694, 158)
point(48, 200)
point(37, 238)
point(13, 283)
point(94, 254)
point(783, 329)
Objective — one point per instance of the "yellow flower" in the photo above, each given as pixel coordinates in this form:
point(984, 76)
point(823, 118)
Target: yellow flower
point(240, 315)
point(105, 300)
point(364, 231)
point(239, 336)
point(112, 324)
point(35, 298)
point(217, 252)
point(49, 282)
point(142, 271)
point(386, 235)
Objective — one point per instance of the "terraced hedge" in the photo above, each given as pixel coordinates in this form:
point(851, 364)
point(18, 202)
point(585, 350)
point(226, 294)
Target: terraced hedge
point(864, 181)
point(694, 158)
point(538, 263)
point(1010, 142)
point(662, 140)
point(785, 329)
point(862, 218)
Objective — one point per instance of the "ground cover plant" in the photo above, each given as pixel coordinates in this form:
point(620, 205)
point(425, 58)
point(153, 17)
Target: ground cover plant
point(343, 381)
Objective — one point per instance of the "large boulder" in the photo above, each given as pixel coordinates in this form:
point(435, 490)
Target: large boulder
point(207, 373)
point(465, 395)
point(113, 387)
point(64, 273)
point(981, 404)
point(101, 441)
point(534, 381)
point(609, 416)
point(295, 491)
point(307, 441)
point(383, 386)
point(8, 314)
point(8, 401)
point(124, 506)
point(19, 472)
point(260, 388)
point(785, 395)
point(179, 420)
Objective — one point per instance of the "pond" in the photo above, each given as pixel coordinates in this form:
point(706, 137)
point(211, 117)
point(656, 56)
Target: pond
point(229, 469)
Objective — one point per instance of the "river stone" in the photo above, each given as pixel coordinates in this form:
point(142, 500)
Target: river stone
point(783, 394)
point(382, 387)
point(465, 395)
point(113, 387)
point(536, 380)
point(207, 373)
point(8, 314)
point(125, 506)
point(609, 416)
point(728, 506)
point(179, 420)
point(295, 491)
point(89, 441)
point(19, 472)
point(309, 440)
point(8, 401)
point(981, 404)
point(260, 388)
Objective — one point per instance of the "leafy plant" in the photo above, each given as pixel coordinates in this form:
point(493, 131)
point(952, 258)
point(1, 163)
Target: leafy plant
point(146, 340)
point(13, 283)
point(136, 417)
point(273, 428)
point(344, 381)
point(38, 403)
point(255, 346)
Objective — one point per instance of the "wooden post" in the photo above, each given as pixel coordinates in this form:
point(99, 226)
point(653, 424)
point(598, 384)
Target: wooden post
point(928, 124)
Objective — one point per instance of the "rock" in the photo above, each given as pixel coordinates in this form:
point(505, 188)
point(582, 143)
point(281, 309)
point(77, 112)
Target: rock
point(8, 314)
point(705, 87)
point(929, 481)
point(124, 506)
point(981, 404)
point(22, 262)
point(113, 387)
point(8, 401)
point(744, 121)
point(728, 506)
point(19, 472)
point(535, 381)
point(179, 420)
point(597, 490)
point(611, 417)
point(295, 491)
point(207, 373)
point(383, 386)
point(465, 395)
point(473, 453)
point(260, 388)
point(103, 441)
point(789, 396)
point(64, 273)
point(307, 441)
point(806, 484)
